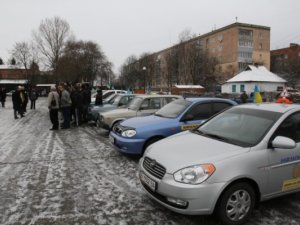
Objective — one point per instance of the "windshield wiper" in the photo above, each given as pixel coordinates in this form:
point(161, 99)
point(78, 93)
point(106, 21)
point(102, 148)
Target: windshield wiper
point(196, 131)
point(216, 137)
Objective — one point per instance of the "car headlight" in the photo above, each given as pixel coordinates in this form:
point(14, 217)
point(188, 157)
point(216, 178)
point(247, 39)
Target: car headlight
point(194, 174)
point(128, 133)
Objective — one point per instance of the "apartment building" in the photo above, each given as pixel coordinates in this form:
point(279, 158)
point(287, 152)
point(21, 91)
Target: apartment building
point(233, 47)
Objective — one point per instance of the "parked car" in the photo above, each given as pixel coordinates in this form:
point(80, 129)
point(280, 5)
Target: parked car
point(119, 101)
point(134, 135)
point(106, 94)
point(246, 154)
point(141, 105)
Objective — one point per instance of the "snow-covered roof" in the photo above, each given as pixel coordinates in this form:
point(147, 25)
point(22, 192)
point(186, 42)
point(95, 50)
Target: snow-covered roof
point(11, 67)
point(189, 86)
point(13, 81)
point(256, 74)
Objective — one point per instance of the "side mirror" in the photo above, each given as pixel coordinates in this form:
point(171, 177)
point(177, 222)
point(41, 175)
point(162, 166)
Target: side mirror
point(188, 117)
point(283, 142)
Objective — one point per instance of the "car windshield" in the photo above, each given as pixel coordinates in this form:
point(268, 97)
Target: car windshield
point(112, 99)
point(173, 109)
point(135, 103)
point(240, 126)
point(115, 101)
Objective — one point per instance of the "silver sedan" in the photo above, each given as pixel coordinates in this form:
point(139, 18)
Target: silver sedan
point(247, 154)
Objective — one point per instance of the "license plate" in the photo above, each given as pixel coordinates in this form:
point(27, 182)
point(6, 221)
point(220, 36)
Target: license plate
point(148, 181)
point(111, 139)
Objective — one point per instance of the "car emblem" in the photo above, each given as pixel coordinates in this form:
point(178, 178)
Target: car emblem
point(152, 163)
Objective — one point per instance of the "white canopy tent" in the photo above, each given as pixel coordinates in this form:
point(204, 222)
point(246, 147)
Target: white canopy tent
point(246, 81)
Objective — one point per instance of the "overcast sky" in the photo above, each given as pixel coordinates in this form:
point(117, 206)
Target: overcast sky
point(132, 27)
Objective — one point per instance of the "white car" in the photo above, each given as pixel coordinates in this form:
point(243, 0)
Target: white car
point(106, 94)
point(246, 154)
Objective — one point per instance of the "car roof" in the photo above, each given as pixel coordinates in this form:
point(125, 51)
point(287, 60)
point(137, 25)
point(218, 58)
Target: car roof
point(200, 99)
point(274, 107)
point(157, 96)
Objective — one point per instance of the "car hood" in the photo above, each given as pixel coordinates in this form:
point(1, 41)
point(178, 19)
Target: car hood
point(188, 149)
point(138, 122)
point(119, 113)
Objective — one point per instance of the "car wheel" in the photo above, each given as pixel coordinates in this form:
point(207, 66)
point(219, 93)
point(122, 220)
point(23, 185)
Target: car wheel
point(150, 142)
point(236, 204)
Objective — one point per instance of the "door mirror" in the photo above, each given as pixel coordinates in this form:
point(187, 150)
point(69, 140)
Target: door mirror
point(188, 117)
point(283, 142)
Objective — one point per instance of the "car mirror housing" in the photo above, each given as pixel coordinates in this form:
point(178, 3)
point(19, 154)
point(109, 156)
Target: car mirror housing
point(188, 117)
point(283, 142)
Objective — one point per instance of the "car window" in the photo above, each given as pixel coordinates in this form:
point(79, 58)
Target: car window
point(107, 94)
point(173, 109)
point(201, 111)
point(220, 106)
point(135, 103)
point(151, 103)
point(290, 128)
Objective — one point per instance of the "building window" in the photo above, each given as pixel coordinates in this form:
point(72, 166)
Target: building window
point(242, 88)
point(286, 56)
point(260, 35)
point(233, 88)
point(260, 46)
point(220, 48)
point(298, 54)
point(220, 38)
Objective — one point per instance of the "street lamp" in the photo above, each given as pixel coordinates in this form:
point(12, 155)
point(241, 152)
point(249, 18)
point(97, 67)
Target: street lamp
point(144, 71)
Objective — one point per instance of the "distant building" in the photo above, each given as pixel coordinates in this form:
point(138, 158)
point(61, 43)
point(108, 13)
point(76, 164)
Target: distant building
point(286, 62)
point(251, 77)
point(12, 72)
point(233, 47)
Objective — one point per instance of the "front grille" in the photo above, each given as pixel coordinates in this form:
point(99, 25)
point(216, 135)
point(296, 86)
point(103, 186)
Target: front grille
point(154, 168)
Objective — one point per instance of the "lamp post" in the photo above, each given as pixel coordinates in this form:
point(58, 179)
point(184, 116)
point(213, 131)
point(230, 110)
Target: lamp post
point(144, 71)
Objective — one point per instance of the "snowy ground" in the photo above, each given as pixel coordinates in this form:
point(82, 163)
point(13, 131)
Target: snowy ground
point(74, 177)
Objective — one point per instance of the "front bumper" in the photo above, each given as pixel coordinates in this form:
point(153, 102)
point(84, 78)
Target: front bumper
point(200, 199)
point(127, 145)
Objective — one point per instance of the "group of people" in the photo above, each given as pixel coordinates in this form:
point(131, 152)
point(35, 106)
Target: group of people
point(2, 96)
point(72, 101)
point(20, 99)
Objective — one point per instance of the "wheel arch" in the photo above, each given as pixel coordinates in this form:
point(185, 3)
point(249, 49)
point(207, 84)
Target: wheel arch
point(247, 180)
point(158, 136)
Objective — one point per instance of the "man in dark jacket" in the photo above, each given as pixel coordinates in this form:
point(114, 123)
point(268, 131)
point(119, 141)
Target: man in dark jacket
point(77, 100)
point(99, 97)
point(86, 94)
point(33, 96)
point(17, 102)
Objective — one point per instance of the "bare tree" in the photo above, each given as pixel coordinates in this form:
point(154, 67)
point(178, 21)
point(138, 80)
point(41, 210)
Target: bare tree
point(22, 54)
point(50, 39)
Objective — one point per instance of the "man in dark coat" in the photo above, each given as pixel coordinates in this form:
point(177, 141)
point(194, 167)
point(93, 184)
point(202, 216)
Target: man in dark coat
point(17, 102)
point(99, 98)
point(3, 97)
point(86, 94)
point(77, 100)
point(33, 96)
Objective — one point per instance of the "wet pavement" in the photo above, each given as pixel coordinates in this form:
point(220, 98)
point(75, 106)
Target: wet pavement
point(75, 177)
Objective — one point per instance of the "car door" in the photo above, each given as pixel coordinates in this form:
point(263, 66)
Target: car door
point(284, 175)
point(196, 115)
point(149, 106)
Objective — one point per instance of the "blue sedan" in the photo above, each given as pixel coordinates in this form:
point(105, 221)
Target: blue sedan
point(134, 135)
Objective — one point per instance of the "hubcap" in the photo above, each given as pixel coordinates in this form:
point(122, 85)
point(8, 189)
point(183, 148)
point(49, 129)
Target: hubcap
point(238, 205)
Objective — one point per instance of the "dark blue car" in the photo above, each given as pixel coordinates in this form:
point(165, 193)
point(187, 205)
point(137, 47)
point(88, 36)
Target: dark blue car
point(134, 135)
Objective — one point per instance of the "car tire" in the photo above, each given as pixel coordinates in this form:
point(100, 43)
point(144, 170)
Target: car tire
point(115, 124)
point(150, 142)
point(236, 204)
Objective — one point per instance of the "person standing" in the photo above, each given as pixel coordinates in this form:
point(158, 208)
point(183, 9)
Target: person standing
point(53, 106)
point(78, 104)
point(99, 98)
point(86, 94)
point(3, 96)
point(33, 96)
point(17, 102)
point(244, 97)
point(65, 105)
